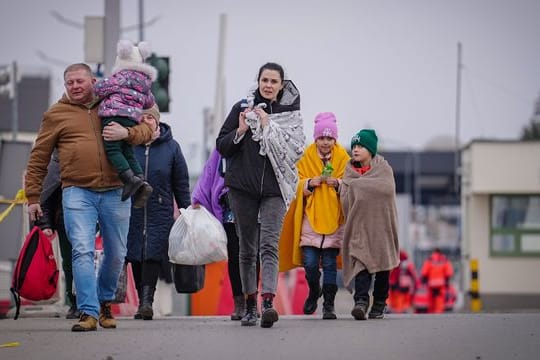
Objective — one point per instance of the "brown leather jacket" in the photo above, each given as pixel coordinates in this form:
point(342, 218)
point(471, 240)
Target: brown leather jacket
point(75, 130)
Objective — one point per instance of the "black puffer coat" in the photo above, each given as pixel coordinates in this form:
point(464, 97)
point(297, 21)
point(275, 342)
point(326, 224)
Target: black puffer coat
point(246, 169)
point(165, 169)
point(51, 197)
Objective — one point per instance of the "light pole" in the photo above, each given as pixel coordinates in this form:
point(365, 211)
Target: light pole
point(112, 33)
point(141, 20)
point(15, 103)
point(458, 118)
point(215, 118)
point(417, 185)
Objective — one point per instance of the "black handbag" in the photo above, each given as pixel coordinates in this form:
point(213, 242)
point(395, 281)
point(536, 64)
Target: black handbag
point(188, 279)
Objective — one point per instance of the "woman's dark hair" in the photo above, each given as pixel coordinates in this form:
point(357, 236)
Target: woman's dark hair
point(272, 66)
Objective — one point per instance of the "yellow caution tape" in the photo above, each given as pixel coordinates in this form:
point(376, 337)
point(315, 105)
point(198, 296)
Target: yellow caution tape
point(10, 344)
point(20, 199)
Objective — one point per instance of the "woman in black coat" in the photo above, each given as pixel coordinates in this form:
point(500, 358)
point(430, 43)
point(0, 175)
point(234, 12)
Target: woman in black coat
point(262, 138)
point(53, 220)
point(166, 171)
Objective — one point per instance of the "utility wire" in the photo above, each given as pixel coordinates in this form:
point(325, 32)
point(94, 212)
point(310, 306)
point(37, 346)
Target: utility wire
point(473, 100)
point(46, 58)
point(500, 87)
point(55, 14)
point(146, 24)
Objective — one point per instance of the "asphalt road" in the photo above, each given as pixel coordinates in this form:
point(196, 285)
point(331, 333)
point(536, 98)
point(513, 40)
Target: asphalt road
point(448, 336)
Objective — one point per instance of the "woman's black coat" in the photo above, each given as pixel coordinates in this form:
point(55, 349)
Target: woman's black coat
point(166, 171)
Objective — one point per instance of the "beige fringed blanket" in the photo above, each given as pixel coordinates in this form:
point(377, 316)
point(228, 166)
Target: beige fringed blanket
point(369, 205)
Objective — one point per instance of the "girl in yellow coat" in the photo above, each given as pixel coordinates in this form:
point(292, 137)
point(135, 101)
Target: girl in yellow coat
point(312, 231)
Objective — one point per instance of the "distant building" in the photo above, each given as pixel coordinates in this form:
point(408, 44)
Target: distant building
point(427, 176)
point(33, 100)
point(501, 221)
point(431, 216)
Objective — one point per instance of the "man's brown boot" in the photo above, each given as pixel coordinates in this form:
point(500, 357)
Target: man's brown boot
point(86, 323)
point(106, 318)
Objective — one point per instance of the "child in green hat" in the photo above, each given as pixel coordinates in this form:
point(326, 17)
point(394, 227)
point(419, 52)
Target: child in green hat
point(370, 244)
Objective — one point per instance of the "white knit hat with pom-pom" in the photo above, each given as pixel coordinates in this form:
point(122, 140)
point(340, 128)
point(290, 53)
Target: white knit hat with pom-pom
point(131, 57)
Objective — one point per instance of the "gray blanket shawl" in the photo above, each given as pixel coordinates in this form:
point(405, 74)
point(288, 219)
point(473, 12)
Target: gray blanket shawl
point(283, 141)
point(371, 236)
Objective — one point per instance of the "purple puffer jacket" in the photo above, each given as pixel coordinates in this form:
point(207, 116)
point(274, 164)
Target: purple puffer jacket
point(125, 93)
point(210, 187)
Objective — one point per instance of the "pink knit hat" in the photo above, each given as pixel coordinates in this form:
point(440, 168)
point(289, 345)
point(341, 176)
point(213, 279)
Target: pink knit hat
point(325, 125)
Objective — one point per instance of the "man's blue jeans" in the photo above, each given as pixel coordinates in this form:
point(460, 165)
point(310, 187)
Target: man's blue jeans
point(312, 257)
point(84, 208)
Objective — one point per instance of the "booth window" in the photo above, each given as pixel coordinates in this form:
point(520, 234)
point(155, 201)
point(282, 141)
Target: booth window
point(515, 225)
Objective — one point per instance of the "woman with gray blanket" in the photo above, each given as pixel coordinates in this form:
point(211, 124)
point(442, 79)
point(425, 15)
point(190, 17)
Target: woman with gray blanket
point(370, 244)
point(262, 140)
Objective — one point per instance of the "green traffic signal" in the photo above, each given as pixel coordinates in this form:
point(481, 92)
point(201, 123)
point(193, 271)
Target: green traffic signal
point(160, 87)
point(162, 66)
point(4, 79)
point(7, 81)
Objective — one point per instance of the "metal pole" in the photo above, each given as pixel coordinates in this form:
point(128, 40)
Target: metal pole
point(218, 113)
point(111, 33)
point(408, 174)
point(417, 190)
point(141, 20)
point(476, 303)
point(207, 121)
point(458, 119)
point(15, 103)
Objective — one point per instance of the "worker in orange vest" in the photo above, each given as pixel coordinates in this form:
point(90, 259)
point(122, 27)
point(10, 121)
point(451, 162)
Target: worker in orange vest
point(450, 298)
point(436, 273)
point(402, 285)
point(420, 300)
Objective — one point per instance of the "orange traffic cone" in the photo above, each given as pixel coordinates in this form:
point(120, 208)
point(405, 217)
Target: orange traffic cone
point(300, 291)
point(128, 307)
point(207, 300)
point(225, 305)
point(282, 300)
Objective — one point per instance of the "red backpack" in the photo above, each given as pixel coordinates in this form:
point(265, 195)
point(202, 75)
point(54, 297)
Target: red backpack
point(36, 275)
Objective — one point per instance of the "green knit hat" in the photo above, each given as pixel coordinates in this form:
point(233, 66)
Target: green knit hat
point(366, 138)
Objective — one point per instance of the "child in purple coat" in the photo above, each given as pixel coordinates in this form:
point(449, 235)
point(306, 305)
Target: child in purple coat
point(210, 192)
point(125, 94)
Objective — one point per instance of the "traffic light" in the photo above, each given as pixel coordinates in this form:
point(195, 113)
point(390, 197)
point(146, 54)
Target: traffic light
point(160, 87)
point(7, 80)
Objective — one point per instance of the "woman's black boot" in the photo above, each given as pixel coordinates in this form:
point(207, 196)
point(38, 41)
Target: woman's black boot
point(146, 310)
point(329, 295)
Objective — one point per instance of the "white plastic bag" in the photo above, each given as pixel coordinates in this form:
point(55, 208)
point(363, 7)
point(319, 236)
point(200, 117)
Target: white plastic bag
point(197, 238)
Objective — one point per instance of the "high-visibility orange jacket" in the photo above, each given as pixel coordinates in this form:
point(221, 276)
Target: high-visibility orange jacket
point(437, 271)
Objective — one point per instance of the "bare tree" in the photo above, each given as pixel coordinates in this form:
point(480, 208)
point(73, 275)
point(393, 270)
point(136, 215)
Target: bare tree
point(532, 130)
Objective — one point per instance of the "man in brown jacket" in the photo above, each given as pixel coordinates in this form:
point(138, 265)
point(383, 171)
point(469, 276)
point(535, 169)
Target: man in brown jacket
point(91, 192)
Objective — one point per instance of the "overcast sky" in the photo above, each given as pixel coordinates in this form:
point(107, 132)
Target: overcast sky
point(386, 64)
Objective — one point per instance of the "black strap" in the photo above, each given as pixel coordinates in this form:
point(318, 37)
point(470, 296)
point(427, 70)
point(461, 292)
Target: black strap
point(17, 299)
